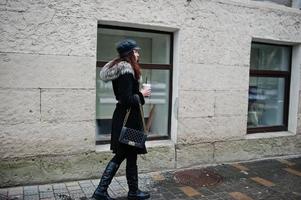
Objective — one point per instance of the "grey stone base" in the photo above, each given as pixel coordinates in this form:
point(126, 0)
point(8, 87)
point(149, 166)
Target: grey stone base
point(46, 169)
point(89, 165)
point(237, 150)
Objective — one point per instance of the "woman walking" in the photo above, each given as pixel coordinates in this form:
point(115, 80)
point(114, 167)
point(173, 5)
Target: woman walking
point(125, 73)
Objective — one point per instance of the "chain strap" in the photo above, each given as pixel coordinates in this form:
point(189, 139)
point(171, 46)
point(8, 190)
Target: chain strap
point(141, 113)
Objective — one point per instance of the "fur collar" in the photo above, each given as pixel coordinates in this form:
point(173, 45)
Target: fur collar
point(110, 73)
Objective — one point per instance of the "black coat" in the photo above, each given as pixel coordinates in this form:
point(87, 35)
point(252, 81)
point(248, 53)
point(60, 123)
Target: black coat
point(126, 90)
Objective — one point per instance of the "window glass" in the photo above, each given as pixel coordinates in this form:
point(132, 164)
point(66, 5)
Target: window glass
point(155, 108)
point(105, 104)
point(155, 47)
point(155, 50)
point(266, 101)
point(270, 57)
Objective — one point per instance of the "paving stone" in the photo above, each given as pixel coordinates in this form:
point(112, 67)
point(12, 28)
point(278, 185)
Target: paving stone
point(240, 196)
point(205, 191)
point(297, 161)
point(156, 196)
point(293, 171)
point(75, 183)
point(95, 182)
point(60, 196)
point(240, 167)
point(31, 197)
point(77, 195)
point(269, 194)
point(61, 191)
point(15, 191)
point(189, 191)
point(262, 181)
point(45, 188)
point(3, 191)
point(158, 177)
point(31, 190)
point(117, 189)
point(122, 182)
point(3, 196)
point(44, 195)
point(146, 182)
point(15, 197)
point(59, 186)
point(225, 196)
point(286, 162)
point(88, 191)
point(86, 183)
point(111, 193)
point(263, 165)
point(229, 173)
point(168, 195)
point(75, 187)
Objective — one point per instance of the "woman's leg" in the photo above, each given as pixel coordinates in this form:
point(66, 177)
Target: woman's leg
point(101, 192)
point(132, 179)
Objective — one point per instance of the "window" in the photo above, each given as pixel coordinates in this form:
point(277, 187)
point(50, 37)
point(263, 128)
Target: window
point(269, 84)
point(156, 63)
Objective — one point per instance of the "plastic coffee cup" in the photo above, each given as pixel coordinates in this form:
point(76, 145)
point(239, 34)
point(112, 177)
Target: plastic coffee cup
point(146, 86)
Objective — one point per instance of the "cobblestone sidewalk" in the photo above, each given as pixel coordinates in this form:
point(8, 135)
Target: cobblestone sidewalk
point(266, 180)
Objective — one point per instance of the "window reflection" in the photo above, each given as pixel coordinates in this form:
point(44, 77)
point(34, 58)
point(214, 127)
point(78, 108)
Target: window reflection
point(155, 53)
point(266, 102)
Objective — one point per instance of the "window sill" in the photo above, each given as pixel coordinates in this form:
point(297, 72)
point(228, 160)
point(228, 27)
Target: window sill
point(149, 144)
point(269, 135)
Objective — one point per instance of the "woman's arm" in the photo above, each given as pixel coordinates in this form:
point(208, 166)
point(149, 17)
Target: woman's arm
point(141, 98)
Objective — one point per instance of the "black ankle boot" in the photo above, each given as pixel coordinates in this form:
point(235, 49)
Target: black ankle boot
point(138, 195)
point(132, 180)
point(101, 192)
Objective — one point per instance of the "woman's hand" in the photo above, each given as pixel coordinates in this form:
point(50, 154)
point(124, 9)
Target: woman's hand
point(146, 92)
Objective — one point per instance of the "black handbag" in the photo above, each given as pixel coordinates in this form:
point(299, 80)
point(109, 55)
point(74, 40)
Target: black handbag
point(133, 137)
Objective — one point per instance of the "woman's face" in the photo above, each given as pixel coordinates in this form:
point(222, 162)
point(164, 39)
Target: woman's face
point(136, 54)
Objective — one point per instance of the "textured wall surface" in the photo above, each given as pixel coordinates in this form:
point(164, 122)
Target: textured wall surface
point(47, 82)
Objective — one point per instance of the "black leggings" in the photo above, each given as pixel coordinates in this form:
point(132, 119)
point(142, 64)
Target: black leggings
point(131, 159)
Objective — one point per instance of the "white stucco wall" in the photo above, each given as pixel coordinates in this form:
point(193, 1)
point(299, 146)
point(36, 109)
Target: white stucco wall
point(47, 75)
